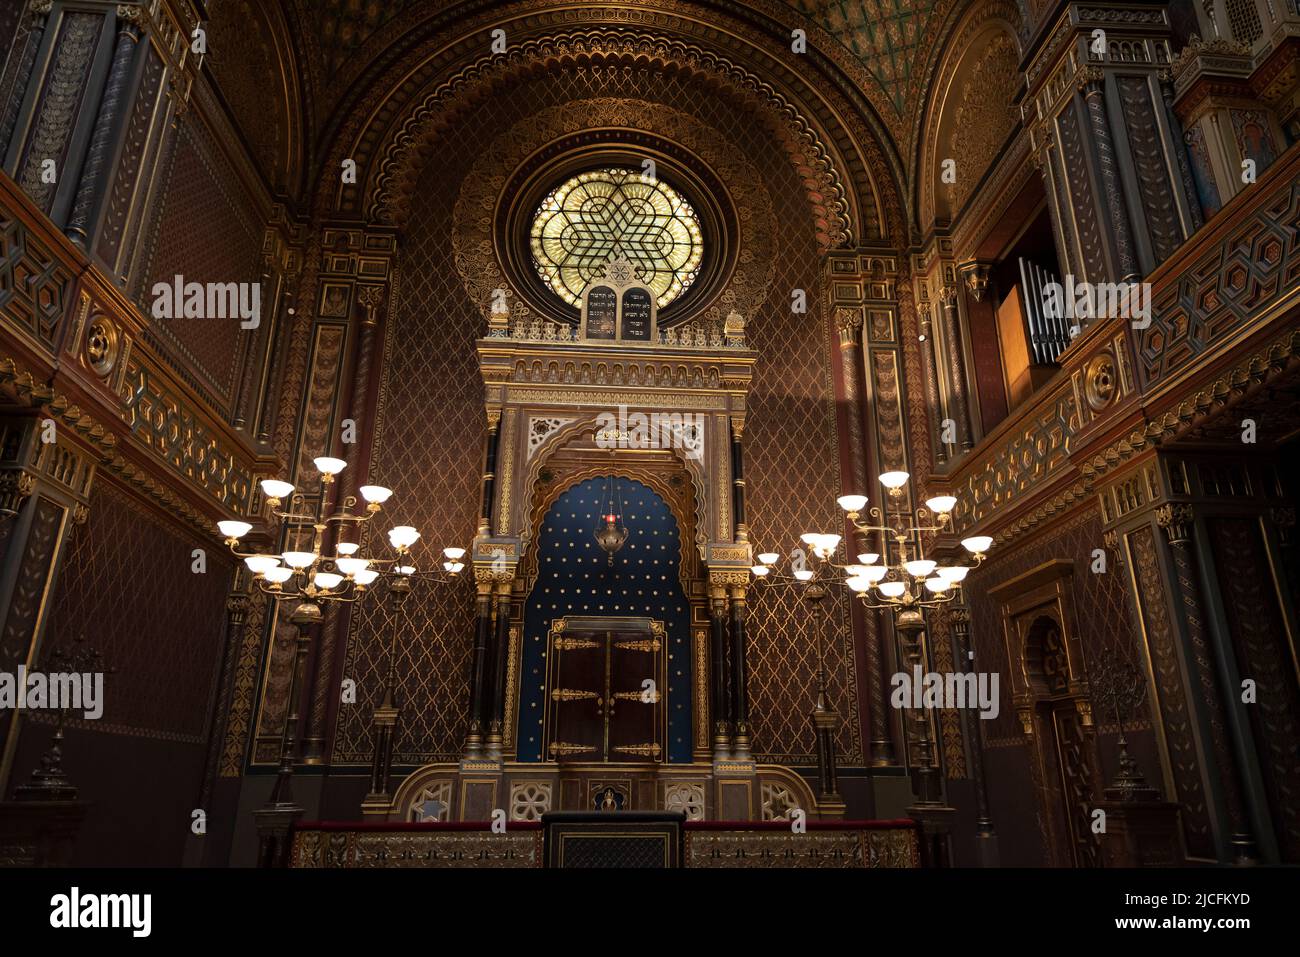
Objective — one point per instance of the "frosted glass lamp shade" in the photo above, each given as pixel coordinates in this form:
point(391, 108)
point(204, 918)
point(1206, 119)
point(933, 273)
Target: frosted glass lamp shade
point(234, 529)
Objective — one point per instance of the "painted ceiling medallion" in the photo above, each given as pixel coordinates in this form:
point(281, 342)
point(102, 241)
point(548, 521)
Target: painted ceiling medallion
point(604, 214)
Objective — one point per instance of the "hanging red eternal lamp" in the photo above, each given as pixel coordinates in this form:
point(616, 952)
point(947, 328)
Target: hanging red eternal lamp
point(611, 535)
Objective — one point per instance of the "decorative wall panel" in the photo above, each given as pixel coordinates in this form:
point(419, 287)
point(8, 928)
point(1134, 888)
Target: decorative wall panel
point(428, 447)
point(34, 285)
point(1150, 166)
point(1082, 201)
point(1175, 713)
point(60, 101)
point(123, 195)
point(203, 199)
point(156, 622)
point(1236, 276)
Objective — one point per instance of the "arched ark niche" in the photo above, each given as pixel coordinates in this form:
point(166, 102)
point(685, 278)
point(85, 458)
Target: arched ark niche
point(575, 579)
point(971, 111)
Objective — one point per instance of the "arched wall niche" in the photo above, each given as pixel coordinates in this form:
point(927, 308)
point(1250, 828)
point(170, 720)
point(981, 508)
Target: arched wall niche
point(971, 111)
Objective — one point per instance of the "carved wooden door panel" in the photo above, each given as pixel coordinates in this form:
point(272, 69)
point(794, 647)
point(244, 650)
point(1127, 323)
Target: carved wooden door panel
point(1073, 766)
point(604, 697)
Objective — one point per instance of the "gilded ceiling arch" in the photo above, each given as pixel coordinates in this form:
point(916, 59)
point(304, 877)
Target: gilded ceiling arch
point(837, 140)
point(975, 82)
point(251, 54)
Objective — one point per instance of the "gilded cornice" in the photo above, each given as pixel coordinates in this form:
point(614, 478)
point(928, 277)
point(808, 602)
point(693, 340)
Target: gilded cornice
point(1277, 358)
point(19, 385)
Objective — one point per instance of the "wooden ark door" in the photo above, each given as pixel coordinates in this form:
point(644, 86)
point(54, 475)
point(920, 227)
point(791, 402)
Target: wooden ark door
point(605, 691)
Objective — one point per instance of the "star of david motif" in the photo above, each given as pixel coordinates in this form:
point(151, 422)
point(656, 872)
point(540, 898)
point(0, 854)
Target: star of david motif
point(598, 218)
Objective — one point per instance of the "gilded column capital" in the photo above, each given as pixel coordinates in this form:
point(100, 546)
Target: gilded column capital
point(371, 298)
point(237, 607)
point(849, 323)
point(41, 8)
point(15, 486)
point(1176, 520)
point(976, 276)
point(132, 20)
point(1089, 80)
point(948, 296)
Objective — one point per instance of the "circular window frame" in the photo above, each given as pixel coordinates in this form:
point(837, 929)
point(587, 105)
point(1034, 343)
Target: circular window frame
point(553, 165)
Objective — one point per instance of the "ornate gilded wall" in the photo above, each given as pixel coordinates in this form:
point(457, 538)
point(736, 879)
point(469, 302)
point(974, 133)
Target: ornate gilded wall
point(1099, 606)
point(430, 431)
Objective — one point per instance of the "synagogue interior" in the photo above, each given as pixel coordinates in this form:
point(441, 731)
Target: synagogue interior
point(663, 433)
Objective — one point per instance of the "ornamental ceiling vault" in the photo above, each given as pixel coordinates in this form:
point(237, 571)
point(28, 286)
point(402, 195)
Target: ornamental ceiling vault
point(896, 42)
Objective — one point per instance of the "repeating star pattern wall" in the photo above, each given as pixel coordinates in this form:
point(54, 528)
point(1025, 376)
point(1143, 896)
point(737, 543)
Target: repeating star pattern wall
point(575, 578)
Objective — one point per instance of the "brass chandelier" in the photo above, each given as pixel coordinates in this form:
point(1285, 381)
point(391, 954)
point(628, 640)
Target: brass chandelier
point(899, 577)
point(303, 572)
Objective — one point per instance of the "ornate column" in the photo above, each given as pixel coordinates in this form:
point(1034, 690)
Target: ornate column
point(500, 652)
point(739, 693)
point(930, 372)
point(1125, 261)
point(959, 409)
point(379, 801)
point(719, 707)
point(346, 317)
point(865, 301)
point(489, 483)
point(738, 482)
point(825, 719)
point(929, 808)
point(130, 22)
point(276, 818)
point(39, 11)
point(483, 626)
point(44, 497)
point(1188, 527)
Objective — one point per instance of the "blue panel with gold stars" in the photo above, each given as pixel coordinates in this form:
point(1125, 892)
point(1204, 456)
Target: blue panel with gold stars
point(575, 578)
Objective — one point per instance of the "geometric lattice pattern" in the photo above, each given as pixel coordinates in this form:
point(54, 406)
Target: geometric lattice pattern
point(159, 624)
point(778, 801)
point(33, 286)
point(529, 800)
point(792, 480)
point(204, 198)
point(1100, 600)
point(1214, 298)
point(602, 214)
point(433, 463)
